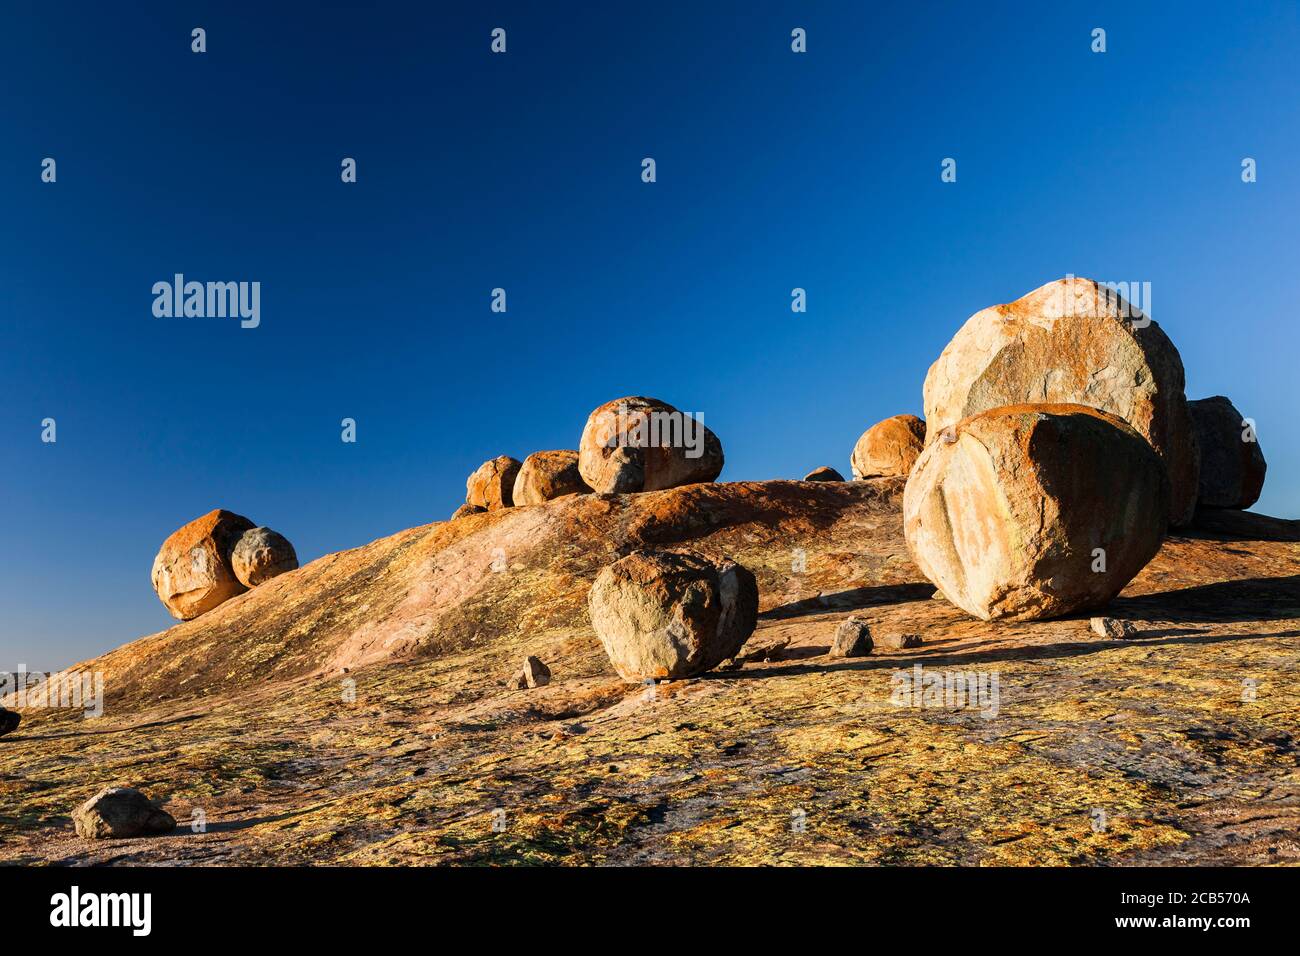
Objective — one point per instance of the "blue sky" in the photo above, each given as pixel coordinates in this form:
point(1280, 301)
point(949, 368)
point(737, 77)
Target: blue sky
point(522, 171)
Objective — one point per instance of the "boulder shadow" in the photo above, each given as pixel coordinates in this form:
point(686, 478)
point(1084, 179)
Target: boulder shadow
point(850, 600)
point(1224, 602)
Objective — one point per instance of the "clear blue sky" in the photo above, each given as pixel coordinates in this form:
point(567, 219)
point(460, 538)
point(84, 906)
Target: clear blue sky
point(775, 170)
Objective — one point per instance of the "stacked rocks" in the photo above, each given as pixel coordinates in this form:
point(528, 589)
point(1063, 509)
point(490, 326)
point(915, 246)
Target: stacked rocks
point(214, 558)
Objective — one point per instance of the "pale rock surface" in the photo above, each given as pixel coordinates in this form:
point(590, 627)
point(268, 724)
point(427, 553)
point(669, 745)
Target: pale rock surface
point(1072, 341)
point(1006, 518)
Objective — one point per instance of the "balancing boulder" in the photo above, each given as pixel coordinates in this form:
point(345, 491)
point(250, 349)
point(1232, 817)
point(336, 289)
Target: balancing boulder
point(1034, 511)
point(261, 554)
point(643, 444)
point(890, 448)
point(192, 572)
point(1232, 463)
point(1072, 341)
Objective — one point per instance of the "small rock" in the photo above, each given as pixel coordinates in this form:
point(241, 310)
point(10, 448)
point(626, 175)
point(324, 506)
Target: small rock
point(824, 473)
point(118, 812)
point(767, 653)
point(9, 721)
point(732, 664)
point(464, 510)
point(852, 639)
point(536, 674)
point(1112, 627)
point(937, 596)
point(898, 642)
point(533, 674)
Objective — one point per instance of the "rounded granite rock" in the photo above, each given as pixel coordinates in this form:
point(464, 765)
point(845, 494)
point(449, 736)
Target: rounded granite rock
point(261, 554)
point(192, 572)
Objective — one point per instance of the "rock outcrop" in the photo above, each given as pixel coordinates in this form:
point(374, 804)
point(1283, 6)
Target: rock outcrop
point(261, 554)
point(1072, 341)
point(643, 444)
point(491, 486)
point(889, 448)
point(662, 614)
point(1034, 511)
point(824, 473)
point(1232, 463)
point(192, 572)
point(119, 812)
point(546, 475)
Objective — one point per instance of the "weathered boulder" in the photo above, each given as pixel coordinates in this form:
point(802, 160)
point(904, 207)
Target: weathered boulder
point(1232, 463)
point(1072, 341)
point(492, 484)
point(545, 475)
point(119, 812)
point(192, 571)
point(260, 554)
point(852, 639)
point(643, 444)
point(665, 614)
point(464, 510)
point(1033, 511)
point(889, 448)
point(9, 721)
point(824, 473)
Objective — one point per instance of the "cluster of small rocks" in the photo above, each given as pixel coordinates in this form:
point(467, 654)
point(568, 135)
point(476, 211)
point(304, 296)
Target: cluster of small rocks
point(214, 558)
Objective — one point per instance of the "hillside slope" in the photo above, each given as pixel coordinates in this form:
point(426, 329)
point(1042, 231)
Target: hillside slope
point(247, 713)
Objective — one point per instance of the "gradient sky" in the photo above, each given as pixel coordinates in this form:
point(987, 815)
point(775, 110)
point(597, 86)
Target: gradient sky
point(775, 170)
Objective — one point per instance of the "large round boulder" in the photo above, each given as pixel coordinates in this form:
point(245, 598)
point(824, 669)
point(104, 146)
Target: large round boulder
point(672, 614)
point(643, 444)
point(1232, 463)
point(192, 572)
point(260, 554)
point(546, 475)
point(491, 486)
point(890, 448)
point(1072, 340)
point(1034, 511)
